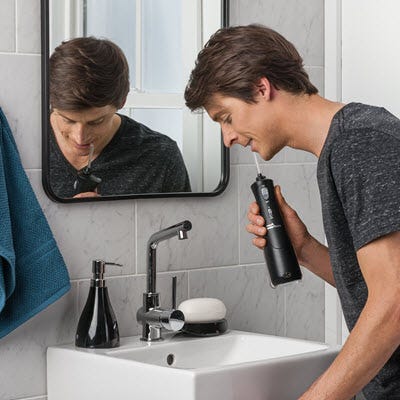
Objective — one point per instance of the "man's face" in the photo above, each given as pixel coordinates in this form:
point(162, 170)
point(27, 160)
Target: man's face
point(76, 130)
point(247, 124)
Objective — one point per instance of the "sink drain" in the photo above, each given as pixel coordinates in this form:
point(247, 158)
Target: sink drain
point(170, 359)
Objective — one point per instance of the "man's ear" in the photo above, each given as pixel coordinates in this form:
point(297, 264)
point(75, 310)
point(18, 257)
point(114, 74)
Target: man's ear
point(264, 88)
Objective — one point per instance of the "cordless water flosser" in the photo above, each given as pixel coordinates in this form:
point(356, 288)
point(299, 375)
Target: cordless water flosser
point(85, 180)
point(279, 255)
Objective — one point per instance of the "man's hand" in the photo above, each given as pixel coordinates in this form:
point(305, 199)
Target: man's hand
point(310, 253)
point(86, 194)
point(295, 227)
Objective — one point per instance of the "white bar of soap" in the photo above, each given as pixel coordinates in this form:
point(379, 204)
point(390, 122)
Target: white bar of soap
point(204, 309)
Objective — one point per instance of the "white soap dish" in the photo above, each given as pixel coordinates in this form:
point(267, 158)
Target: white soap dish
point(204, 317)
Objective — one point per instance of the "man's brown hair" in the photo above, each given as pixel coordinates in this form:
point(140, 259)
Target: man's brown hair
point(88, 72)
point(236, 58)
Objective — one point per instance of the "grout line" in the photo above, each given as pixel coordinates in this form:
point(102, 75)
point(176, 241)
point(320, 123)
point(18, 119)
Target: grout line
point(181, 271)
point(188, 284)
point(16, 53)
point(238, 213)
point(278, 164)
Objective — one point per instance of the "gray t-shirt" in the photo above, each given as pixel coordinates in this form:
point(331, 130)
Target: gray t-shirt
point(359, 181)
point(137, 160)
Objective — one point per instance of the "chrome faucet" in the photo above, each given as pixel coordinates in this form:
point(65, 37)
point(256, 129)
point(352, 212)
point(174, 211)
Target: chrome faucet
point(151, 315)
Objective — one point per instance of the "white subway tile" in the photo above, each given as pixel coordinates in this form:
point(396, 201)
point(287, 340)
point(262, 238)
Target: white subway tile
point(7, 23)
point(20, 99)
point(28, 26)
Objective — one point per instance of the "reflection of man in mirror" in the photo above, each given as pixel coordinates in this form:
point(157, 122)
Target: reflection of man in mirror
point(95, 151)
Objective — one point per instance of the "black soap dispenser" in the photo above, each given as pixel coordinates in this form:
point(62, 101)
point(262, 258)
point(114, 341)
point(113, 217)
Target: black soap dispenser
point(97, 326)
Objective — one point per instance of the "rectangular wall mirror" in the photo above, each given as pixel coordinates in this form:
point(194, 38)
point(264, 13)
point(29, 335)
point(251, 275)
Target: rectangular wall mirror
point(107, 136)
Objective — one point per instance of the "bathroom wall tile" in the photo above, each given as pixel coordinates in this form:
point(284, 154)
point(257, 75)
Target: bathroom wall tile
point(316, 75)
point(304, 308)
point(23, 351)
point(234, 12)
point(300, 21)
point(299, 156)
point(20, 98)
point(212, 240)
point(299, 187)
point(252, 305)
point(88, 231)
point(7, 23)
point(28, 26)
point(126, 297)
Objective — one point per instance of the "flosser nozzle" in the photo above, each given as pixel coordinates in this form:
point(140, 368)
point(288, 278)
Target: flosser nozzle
point(257, 164)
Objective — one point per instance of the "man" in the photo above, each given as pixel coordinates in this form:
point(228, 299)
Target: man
point(251, 80)
point(89, 82)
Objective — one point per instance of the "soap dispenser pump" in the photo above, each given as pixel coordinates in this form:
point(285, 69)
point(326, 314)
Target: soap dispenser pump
point(97, 326)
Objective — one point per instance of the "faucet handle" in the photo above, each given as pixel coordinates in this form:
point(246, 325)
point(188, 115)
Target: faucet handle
point(174, 279)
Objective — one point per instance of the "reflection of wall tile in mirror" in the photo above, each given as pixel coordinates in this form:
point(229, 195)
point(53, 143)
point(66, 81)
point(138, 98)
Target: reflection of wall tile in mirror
point(7, 23)
point(88, 231)
point(305, 308)
point(301, 22)
point(212, 240)
point(22, 106)
point(299, 187)
point(28, 25)
point(23, 351)
point(252, 305)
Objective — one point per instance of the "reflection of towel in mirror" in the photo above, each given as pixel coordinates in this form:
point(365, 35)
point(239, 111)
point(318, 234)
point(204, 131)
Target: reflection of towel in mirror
point(32, 271)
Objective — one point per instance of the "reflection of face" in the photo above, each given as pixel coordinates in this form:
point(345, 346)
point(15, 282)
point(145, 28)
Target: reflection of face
point(247, 124)
point(76, 130)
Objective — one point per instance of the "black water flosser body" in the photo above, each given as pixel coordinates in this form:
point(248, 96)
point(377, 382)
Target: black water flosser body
point(280, 257)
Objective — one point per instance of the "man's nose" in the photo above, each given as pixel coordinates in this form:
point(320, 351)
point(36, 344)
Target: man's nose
point(79, 133)
point(229, 136)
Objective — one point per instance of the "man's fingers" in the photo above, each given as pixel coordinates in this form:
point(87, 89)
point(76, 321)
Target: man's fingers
point(254, 215)
point(256, 230)
point(259, 242)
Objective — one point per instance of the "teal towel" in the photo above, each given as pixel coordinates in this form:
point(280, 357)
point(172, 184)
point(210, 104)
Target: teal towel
point(32, 271)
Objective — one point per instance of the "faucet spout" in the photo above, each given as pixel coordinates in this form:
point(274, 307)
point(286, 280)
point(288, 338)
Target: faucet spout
point(179, 230)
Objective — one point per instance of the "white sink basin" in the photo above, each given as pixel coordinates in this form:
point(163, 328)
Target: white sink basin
point(234, 366)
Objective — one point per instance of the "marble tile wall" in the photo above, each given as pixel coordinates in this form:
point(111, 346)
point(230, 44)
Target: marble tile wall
point(217, 260)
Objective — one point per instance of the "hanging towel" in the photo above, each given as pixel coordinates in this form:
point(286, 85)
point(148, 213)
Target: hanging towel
point(32, 271)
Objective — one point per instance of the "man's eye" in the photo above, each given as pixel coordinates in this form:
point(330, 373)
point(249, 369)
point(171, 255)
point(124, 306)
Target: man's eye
point(67, 121)
point(96, 122)
point(228, 120)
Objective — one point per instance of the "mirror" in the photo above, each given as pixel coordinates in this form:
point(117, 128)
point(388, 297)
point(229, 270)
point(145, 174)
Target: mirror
point(100, 143)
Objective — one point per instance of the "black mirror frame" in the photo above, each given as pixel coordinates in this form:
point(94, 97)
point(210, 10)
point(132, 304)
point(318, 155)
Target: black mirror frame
point(225, 159)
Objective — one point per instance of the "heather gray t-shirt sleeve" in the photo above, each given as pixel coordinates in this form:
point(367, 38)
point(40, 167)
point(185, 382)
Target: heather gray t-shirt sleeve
point(366, 167)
